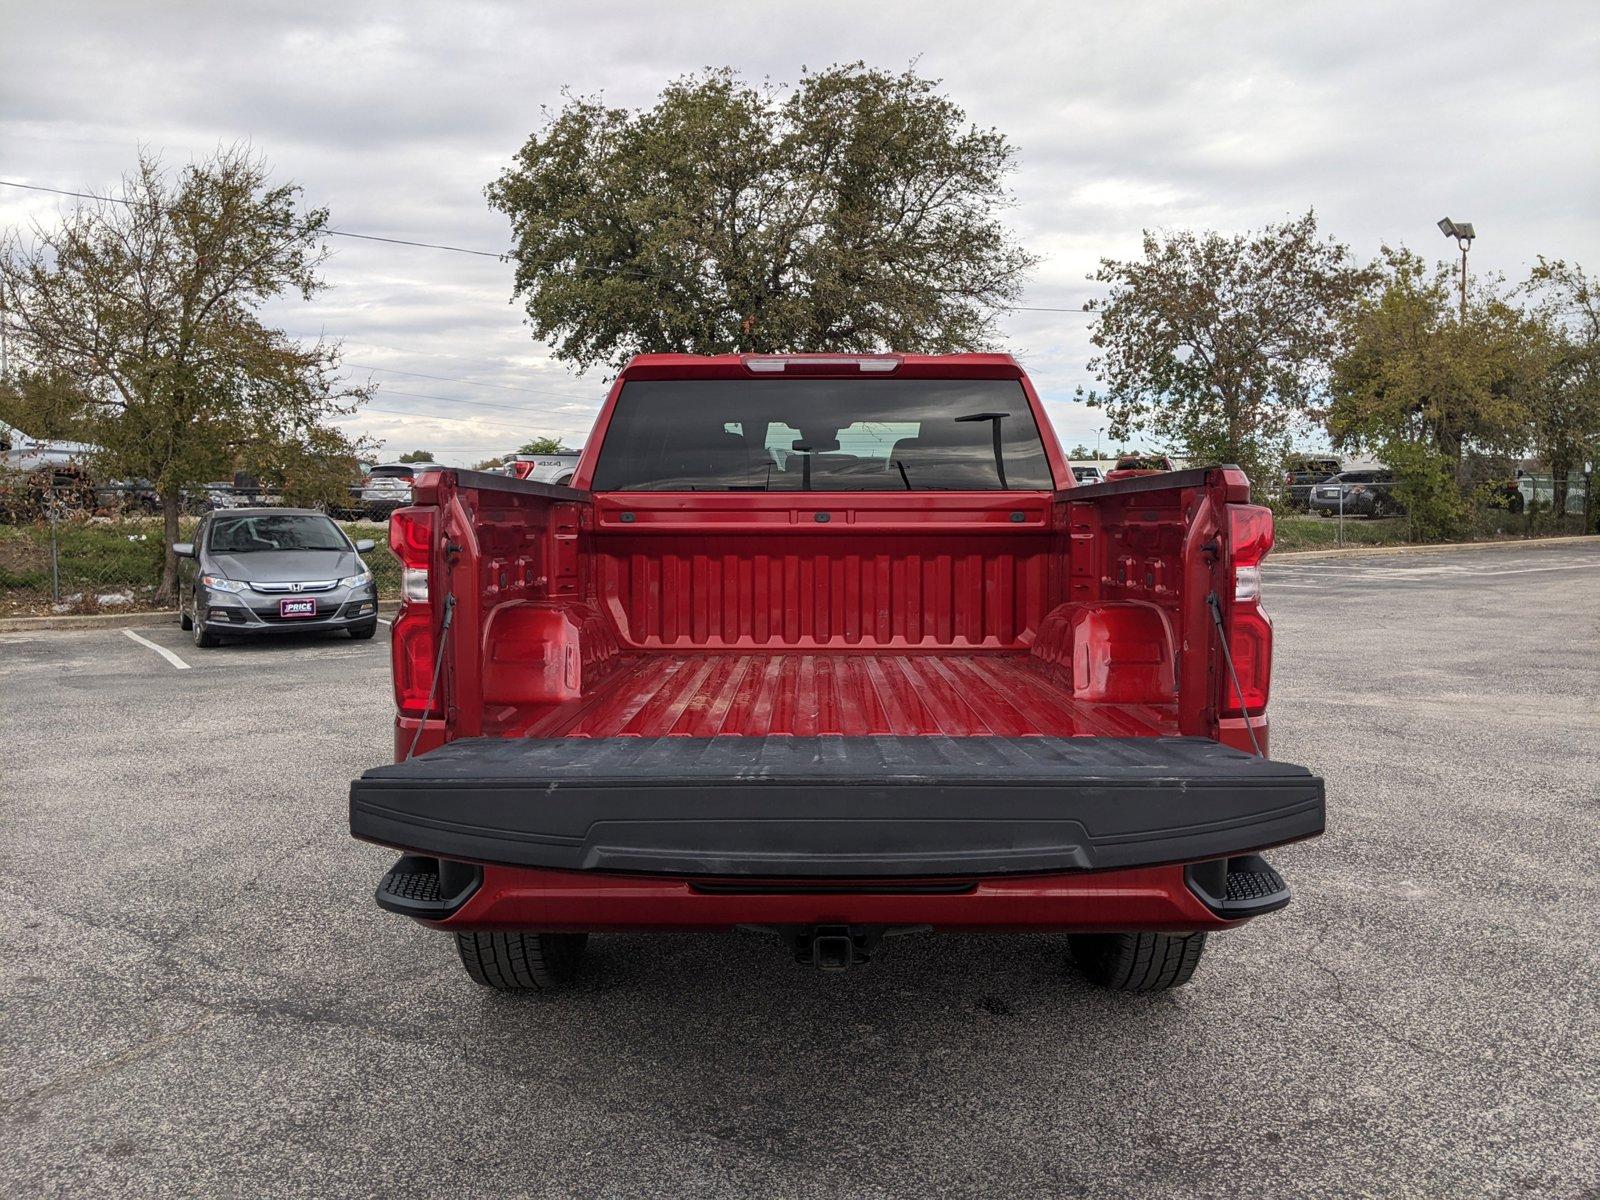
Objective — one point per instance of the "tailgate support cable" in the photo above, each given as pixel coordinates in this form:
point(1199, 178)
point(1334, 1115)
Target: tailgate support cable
point(438, 669)
point(1215, 605)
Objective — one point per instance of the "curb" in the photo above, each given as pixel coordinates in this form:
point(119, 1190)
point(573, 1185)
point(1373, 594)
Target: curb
point(131, 620)
point(1543, 543)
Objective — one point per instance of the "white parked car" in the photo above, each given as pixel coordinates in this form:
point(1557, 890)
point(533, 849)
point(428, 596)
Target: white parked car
point(387, 488)
point(546, 468)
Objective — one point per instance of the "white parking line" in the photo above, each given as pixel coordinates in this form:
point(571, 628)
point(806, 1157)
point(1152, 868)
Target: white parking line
point(161, 650)
point(381, 621)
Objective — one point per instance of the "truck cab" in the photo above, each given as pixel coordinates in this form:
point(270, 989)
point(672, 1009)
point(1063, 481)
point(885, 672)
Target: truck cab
point(835, 647)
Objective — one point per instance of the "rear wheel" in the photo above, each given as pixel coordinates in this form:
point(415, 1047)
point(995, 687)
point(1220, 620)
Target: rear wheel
point(522, 962)
point(1138, 962)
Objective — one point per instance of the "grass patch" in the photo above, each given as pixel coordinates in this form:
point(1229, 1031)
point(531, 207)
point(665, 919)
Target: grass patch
point(116, 565)
point(384, 565)
point(1301, 531)
point(1304, 531)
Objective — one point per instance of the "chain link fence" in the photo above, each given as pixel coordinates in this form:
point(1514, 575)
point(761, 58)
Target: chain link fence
point(67, 546)
point(1522, 506)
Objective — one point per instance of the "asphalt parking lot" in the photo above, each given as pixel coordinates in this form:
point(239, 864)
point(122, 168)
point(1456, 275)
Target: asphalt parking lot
point(200, 997)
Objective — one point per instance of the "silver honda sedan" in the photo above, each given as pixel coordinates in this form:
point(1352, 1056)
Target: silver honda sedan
point(273, 570)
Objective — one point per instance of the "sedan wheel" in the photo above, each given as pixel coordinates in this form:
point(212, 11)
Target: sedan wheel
point(203, 637)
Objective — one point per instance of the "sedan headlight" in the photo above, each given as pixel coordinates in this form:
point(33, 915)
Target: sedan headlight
point(218, 584)
point(353, 581)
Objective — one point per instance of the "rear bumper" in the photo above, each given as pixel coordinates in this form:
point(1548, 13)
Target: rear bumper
point(825, 809)
point(1169, 899)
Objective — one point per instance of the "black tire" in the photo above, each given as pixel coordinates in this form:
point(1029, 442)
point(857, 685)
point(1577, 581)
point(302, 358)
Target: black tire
point(361, 633)
point(522, 962)
point(203, 637)
point(1137, 962)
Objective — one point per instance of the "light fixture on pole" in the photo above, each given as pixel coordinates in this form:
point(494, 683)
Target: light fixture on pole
point(1463, 233)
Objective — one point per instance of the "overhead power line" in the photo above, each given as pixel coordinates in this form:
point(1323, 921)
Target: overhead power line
point(515, 408)
point(303, 227)
point(504, 387)
point(502, 255)
point(394, 412)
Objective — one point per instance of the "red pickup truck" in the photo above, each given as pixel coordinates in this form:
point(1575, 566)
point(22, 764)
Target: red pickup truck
point(834, 647)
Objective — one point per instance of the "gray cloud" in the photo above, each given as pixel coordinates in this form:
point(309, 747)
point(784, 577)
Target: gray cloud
point(1383, 116)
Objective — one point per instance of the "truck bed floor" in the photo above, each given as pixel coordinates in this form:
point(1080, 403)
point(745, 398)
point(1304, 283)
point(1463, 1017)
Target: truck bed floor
point(807, 695)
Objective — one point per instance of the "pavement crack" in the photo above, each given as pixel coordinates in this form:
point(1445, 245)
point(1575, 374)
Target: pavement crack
point(1366, 1017)
point(94, 1072)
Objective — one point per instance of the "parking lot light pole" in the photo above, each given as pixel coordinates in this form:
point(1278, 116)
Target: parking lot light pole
point(1463, 233)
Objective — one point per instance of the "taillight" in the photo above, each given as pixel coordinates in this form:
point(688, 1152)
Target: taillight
point(412, 652)
point(411, 536)
point(412, 644)
point(1250, 536)
point(1249, 533)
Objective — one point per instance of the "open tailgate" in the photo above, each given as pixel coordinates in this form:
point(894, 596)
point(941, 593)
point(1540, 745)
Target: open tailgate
point(835, 806)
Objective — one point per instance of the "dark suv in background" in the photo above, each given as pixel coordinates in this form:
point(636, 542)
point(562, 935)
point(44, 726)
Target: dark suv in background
point(1357, 494)
point(1301, 472)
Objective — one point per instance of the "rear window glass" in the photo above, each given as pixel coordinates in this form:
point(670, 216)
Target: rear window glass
point(822, 435)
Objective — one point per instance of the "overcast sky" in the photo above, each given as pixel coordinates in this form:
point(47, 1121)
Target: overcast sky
point(1384, 116)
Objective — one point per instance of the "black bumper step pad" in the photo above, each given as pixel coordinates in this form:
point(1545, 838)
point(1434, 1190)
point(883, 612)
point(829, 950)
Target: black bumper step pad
point(1249, 888)
point(1246, 886)
point(830, 807)
point(413, 887)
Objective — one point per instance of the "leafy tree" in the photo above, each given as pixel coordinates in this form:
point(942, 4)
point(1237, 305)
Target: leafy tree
point(1080, 451)
point(1218, 345)
point(148, 303)
point(855, 211)
point(417, 456)
point(1425, 391)
point(43, 405)
point(1566, 411)
point(317, 467)
point(543, 445)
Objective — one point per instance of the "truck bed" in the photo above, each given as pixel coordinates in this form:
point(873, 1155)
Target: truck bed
point(850, 695)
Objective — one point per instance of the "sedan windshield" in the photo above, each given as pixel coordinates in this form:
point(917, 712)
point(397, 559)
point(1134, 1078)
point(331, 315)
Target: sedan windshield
point(275, 531)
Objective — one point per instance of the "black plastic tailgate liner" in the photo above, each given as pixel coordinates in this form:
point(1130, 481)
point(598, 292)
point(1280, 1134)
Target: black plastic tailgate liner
point(835, 806)
point(829, 807)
